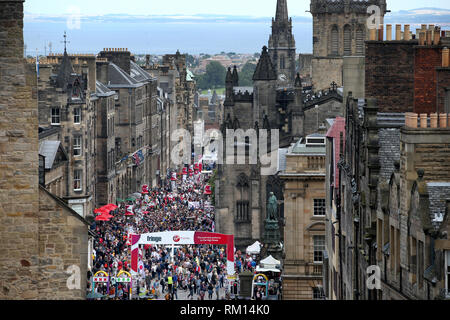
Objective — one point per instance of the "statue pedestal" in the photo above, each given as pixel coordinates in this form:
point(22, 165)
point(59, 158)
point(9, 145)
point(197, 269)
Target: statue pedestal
point(272, 238)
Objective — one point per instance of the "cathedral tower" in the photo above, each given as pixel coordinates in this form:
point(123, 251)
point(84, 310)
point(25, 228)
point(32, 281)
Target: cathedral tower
point(339, 29)
point(282, 46)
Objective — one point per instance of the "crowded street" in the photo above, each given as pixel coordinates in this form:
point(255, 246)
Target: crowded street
point(196, 272)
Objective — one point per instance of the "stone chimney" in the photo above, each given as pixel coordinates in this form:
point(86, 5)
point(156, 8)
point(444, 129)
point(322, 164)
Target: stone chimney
point(445, 57)
point(102, 71)
point(119, 56)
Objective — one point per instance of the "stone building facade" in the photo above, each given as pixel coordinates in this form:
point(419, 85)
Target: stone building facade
point(272, 103)
point(64, 101)
point(35, 225)
point(304, 218)
point(339, 29)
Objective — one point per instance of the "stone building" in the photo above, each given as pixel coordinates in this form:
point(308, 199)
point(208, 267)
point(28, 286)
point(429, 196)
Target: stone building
point(55, 161)
point(333, 261)
point(304, 218)
point(135, 158)
point(103, 101)
point(64, 101)
point(412, 215)
point(272, 103)
point(339, 29)
point(36, 259)
point(177, 81)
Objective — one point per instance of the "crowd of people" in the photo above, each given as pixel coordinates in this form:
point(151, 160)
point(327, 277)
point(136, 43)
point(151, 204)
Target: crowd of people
point(179, 206)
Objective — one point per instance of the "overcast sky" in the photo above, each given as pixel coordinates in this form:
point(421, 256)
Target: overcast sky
point(264, 8)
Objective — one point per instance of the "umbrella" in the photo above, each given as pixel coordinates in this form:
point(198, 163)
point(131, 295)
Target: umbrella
point(130, 199)
point(129, 213)
point(94, 295)
point(146, 212)
point(101, 210)
point(119, 200)
point(101, 218)
point(111, 205)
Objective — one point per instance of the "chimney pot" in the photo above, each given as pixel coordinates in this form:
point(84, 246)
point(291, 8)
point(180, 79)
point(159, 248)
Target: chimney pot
point(407, 34)
point(434, 120)
point(429, 37)
point(398, 32)
point(443, 120)
point(423, 120)
point(445, 57)
point(437, 36)
point(372, 34)
point(422, 38)
point(389, 32)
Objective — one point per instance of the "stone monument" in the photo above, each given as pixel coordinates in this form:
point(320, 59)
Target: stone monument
point(272, 229)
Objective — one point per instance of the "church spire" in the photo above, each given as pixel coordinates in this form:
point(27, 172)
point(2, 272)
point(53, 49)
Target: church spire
point(282, 11)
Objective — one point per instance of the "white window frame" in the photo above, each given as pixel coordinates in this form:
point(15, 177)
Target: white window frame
point(77, 147)
point(323, 207)
point(316, 249)
point(75, 179)
point(54, 116)
point(75, 115)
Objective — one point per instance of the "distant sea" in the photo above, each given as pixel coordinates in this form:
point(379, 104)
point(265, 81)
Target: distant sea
point(159, 38)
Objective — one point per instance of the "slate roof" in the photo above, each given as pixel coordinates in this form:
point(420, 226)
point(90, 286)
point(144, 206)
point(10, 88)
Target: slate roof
point(102, 91)
point(389, 152)
point(439, 194)
point(49, 149)
point(117, 78)
point(265, 69)
point(139, 74)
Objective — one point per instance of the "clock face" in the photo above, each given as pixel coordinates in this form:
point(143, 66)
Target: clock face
point(282, 77)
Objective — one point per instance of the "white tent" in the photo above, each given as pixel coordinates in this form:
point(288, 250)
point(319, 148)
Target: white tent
point(254, 248)
point(270, 263)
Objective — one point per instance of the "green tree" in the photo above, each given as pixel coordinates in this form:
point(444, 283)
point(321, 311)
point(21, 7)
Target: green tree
point(246, 75)
point(213, 78)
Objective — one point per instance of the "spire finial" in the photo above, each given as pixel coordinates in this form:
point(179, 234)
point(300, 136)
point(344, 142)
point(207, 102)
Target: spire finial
point(65, 42)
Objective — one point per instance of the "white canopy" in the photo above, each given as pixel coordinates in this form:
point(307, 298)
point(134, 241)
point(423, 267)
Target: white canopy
point(259, 269)
point(270, 263)
point(254, 248)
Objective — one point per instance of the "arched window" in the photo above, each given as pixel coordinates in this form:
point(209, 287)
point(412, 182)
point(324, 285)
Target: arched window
point(360, 38)
point(347, 40)
point(282, 62)
point(334, 40)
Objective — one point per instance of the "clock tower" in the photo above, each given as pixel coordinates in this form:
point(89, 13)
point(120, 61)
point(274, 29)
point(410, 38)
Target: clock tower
point(282, 46)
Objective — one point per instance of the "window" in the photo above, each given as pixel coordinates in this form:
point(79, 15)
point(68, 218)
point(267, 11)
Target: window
point(347, 41)
point(242, 213)
point(77, 115)
point(335, 41)
point(77, 180)
point(319, 247)
point(282, 62)
point(56, 116)
point(319, 207)
point(360, 37)
point(77, 146)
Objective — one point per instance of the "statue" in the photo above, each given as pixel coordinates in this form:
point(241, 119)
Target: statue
point(272, 208)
